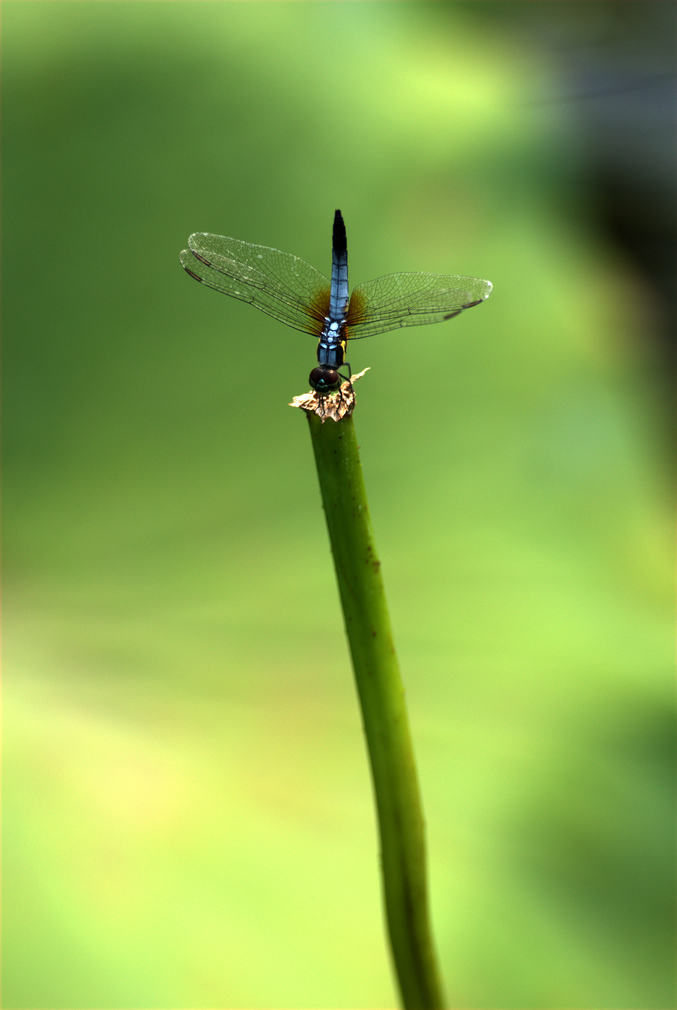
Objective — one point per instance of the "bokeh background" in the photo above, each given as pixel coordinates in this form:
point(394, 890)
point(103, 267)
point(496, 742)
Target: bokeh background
point(188, 818)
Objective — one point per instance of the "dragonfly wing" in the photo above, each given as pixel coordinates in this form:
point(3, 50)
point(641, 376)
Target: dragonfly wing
point(411, 299)
point(279, 284)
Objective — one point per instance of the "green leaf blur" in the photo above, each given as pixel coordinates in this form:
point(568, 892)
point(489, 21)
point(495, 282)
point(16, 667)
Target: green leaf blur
point(188, 817)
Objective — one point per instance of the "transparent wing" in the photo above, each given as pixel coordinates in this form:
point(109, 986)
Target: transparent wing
point(411, 299)
point(279, 284)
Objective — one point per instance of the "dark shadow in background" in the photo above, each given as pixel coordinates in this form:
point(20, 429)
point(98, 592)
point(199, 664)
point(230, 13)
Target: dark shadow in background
point(617, 66)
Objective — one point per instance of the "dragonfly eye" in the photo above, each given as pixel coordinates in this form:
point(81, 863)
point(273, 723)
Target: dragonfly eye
point(324, 380)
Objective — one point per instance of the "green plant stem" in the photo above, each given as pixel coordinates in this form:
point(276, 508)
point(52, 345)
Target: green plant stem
point(384, 713)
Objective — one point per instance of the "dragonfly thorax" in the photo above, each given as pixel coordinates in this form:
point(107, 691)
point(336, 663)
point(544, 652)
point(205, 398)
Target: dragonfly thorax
point(331, 356)
point(332, 342)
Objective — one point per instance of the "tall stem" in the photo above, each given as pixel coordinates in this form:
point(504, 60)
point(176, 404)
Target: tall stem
point(384, 713)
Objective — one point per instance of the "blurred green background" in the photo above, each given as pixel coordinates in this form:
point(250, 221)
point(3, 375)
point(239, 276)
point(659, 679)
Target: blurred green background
point(187, 807)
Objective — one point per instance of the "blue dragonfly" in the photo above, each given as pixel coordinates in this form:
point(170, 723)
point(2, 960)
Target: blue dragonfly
point(289, 289)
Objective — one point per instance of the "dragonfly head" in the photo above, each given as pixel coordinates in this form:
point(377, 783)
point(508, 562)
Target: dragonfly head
point(324, 380)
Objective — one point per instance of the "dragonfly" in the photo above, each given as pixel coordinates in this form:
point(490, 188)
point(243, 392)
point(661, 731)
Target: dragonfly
point(292, 291)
